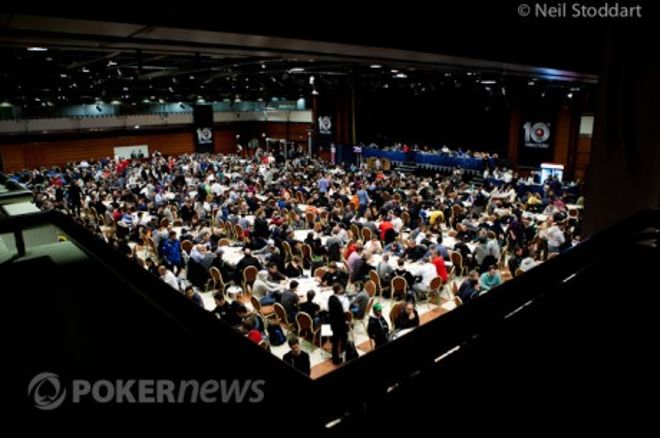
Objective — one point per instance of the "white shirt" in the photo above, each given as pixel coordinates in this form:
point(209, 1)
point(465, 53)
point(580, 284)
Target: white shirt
point(427, 271)
point(397, 224)
point(345, 303)
point(170, 278)
point(555, 236)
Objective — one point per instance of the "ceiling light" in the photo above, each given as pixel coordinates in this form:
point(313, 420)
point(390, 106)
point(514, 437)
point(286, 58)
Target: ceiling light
point(146, 101)
point(136, 127)
point(115, 102)
point(85, 70)
point(63, 75)
point(5, 104)
point(394, 71)
point(111, 63)
point(569, 95)
point(297, 70)
point(311, 80)
point(191, 77)
point(49, 59)
point(315, 93)
point(37, 49)
point(376, 66)
point(401, 75)
point(161, 101)
point(489, 81)
point(530, 83)
point(263, 66)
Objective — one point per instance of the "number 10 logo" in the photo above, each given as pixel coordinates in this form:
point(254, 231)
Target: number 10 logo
point(538, 132)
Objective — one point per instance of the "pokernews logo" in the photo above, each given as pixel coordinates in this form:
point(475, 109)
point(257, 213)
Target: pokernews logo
point(47, 391)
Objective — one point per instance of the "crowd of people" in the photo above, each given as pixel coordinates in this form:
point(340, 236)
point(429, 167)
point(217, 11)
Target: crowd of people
point(182, 217)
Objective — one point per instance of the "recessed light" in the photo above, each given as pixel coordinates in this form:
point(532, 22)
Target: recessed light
point(401, 75)
point(376, 66)
point(37, 49)
point(488, 82)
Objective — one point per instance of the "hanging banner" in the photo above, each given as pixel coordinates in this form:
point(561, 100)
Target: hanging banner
point(537, 136)
point(203, 125)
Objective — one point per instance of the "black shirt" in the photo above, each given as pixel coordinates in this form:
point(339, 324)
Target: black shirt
point(300, 362)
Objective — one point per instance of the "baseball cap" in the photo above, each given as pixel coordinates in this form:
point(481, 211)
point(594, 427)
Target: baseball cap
point(378, 307)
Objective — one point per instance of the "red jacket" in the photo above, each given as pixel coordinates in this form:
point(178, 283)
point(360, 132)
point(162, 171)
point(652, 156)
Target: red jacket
point(439, 263)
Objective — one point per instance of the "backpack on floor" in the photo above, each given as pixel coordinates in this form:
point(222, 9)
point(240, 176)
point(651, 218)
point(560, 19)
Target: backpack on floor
point(276, 335)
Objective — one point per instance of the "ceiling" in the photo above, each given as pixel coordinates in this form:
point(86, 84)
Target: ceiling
point(132, 56)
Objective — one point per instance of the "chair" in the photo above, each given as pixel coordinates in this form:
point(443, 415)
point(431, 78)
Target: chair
point(395, 311)
point(288, 254)
point(266, 312)
point(238, 232)
point(305, 325)
point(518, 272)
point(366, 234)
point(177, 222)
point(375, 278)
point(282, 317)
point(371, 288)
point(249, 276)
point(356, 231)
point(306, 252)
point(367, 311)
point(309, 216)
point(552, 255)
point(319, 272)
point(399, 286)
point(435, 288)
point(405, 217)
point(216, 280)
point(224, 242)
point(265, 345)
point(164, 222)
point(187, 246)
point(458, 268)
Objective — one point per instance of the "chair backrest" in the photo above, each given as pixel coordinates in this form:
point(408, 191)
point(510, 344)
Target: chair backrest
point(310, 219)
point(250, 274)
point(164, 222)
point(552, 255)
point(370, 288)
point(366, 234)
point(367, 310)
point(456, 259)
point(224, 242)
point(436, 284)
point(518, 272)
point(256, 304)
point(306, 251)
point(187, 246)
point(399, 284)
point(177, 222)
point(304, 322)
point(238, 231)
point(216, 276)
point(319, 272)
point(405, 217)
point(280, 311)
point(356, 231)
point(373, 276)
point(349, 317)
point(287, 250)
point(395, 311)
